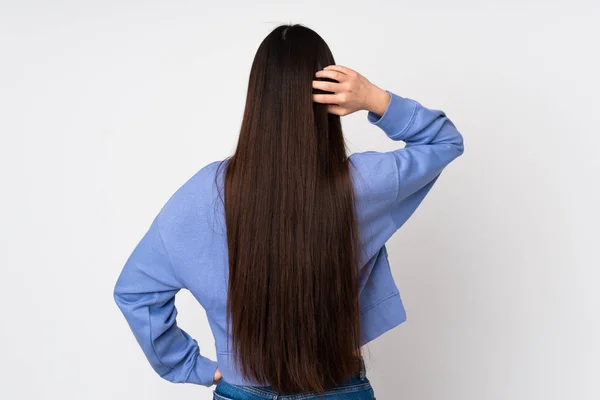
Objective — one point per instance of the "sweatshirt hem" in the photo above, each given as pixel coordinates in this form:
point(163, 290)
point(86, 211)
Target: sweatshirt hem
point(375, 321)
point(382, 317)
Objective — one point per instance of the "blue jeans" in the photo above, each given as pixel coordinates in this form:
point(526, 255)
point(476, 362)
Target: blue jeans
point(356, 388)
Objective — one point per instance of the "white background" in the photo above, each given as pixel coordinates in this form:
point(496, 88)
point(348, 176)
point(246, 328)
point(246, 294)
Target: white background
point(107, 107)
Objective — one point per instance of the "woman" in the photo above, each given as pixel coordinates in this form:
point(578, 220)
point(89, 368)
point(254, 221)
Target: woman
point(283, 242)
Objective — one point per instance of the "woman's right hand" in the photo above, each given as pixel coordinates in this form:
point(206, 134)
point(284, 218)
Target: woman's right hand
point(351, 92)
point(217, 377)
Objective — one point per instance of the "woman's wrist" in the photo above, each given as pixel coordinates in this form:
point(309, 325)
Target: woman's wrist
point(377, 101)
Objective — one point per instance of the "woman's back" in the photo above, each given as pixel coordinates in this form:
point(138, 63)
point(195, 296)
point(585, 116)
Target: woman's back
point(185, 246)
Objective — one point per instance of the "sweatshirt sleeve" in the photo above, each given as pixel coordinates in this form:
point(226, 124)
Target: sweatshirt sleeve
point(431, 143)
point(145, 293)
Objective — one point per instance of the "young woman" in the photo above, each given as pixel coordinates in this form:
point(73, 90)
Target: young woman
point(283, 242)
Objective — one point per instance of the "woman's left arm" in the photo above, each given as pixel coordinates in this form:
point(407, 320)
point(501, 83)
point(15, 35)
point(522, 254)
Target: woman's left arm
point(145, 292)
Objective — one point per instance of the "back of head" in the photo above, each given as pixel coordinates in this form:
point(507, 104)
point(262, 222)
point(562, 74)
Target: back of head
point(291, 225)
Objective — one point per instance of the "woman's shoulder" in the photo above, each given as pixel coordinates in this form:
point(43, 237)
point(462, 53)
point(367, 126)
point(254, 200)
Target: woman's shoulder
point(194, 197)
point(374, 176)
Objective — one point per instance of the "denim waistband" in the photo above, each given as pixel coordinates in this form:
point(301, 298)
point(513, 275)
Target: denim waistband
point(224, 389)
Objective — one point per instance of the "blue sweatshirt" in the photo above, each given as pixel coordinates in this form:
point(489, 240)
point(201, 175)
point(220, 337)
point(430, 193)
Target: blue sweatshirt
point(185, 246)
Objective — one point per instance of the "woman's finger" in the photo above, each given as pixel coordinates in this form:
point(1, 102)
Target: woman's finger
point(327, 86)
point(326, 98)
point(339, 68)
point(337, 110)
point(335, 75)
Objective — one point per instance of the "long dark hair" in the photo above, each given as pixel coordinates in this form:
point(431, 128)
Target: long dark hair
point(291, 225)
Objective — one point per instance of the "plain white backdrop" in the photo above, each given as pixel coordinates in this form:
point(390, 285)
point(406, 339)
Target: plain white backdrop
point(107, 107)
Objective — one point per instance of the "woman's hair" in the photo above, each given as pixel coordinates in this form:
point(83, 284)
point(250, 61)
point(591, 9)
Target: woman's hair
point(291, 225)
